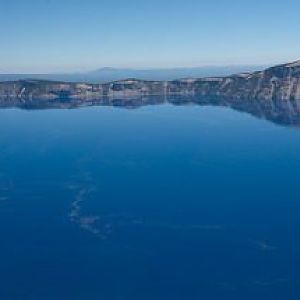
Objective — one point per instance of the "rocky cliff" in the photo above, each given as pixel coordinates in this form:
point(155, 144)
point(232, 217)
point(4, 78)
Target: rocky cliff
point(277, 83)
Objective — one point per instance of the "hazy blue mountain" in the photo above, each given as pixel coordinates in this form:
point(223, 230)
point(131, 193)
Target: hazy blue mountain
point(111, 74)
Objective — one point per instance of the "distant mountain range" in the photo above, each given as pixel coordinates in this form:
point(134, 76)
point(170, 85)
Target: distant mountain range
point(112, 74)
point(280, 82)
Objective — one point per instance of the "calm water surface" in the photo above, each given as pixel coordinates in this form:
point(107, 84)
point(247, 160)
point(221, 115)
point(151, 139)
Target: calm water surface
point(160, 202)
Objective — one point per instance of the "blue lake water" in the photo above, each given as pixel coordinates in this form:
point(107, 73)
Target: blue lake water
point(160, 202)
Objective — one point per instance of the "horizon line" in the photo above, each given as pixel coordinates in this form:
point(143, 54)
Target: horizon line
point(4, 72)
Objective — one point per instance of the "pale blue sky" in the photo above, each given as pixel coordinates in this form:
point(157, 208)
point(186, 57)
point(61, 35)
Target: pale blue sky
point(76, 35)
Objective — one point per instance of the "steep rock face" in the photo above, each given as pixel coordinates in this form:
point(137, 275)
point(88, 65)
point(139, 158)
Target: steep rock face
point(280, 82)
point(277, 83)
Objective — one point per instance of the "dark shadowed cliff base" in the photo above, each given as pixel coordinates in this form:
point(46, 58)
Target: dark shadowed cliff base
point(283, 112)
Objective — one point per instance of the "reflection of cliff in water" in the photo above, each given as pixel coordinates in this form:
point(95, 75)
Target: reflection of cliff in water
point(283, 112)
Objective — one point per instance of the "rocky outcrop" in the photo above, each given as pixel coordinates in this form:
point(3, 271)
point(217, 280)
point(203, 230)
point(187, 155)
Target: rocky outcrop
point(277, 83)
